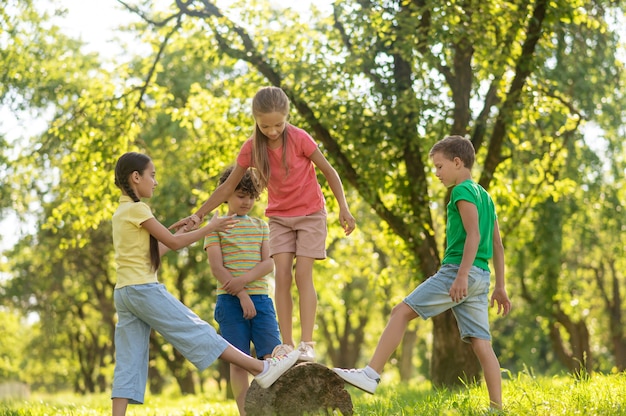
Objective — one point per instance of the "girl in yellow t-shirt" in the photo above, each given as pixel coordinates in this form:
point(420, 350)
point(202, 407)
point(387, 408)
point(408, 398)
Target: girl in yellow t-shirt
point(142, 303)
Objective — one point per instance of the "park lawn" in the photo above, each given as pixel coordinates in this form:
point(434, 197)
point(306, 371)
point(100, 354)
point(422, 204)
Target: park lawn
point(524, 395)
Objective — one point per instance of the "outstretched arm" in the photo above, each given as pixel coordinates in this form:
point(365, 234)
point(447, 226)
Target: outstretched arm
point(334, 181)
point(183, 239)
point(218, 196)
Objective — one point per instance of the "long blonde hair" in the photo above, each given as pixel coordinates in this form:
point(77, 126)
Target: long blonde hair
point(268, 100)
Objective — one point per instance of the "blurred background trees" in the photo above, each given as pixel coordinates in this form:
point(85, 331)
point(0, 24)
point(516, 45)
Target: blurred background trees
point(537, 86)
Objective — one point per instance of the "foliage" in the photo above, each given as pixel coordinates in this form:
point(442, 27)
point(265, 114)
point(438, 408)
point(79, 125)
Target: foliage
point(376, 83)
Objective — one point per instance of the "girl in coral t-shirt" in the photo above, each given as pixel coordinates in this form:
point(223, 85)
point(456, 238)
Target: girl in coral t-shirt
point(285, 158)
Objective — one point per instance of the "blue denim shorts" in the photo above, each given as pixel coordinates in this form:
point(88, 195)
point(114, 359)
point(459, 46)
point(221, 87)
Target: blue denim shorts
point(262, 330)
point(141, 308)
point(432, 297)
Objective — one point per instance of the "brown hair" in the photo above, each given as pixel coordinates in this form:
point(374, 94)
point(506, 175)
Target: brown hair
point(268, 100)
point(455, 146)
point(249, 184)
point(127, 164)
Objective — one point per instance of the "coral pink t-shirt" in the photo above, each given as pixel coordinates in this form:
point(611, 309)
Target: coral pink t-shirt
point(298, 193)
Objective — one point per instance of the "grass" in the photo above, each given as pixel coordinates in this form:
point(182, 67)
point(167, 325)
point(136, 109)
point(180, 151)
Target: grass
point(524, 395)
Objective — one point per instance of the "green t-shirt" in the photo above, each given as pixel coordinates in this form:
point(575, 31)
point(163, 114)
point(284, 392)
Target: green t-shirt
point(474, 193)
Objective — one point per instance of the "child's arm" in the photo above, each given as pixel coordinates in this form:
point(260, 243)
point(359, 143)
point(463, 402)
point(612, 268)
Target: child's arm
point(216, 262)
point(183, 239)
point(224, 276)
point(499, 293)
point(262, 268)
point(334, 181)
point(469, 217)
point(163, 248)
point(218, 196)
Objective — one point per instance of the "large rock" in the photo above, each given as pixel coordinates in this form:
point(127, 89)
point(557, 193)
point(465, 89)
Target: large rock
point(307, 388)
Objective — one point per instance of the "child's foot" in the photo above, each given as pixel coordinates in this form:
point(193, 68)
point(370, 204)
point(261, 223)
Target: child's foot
point(276, 368)
point(307, 353)
point(359, 379)
point(281, 349)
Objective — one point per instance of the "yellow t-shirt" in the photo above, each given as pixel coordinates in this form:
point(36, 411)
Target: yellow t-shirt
point(131, 243)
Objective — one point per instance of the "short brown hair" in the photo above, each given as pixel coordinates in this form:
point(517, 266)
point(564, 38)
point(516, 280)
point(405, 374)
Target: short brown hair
point(456, 146)
point(249, 184)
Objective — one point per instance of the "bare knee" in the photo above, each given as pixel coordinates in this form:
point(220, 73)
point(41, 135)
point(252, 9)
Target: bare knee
point(403, 312)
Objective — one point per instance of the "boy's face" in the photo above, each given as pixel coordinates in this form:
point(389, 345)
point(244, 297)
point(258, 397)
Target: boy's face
point(448, 171)
point(240, 203)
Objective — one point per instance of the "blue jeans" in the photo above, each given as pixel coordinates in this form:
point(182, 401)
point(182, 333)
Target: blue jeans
point(141, 308)
point(262, 330)
point(432, 297)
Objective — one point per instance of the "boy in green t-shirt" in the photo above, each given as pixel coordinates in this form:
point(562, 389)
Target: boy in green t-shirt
point(240, 261)
point(462, 282)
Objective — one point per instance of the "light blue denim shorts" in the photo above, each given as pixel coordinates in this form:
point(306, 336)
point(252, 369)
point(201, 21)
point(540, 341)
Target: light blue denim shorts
point(142, 307)
point(432, 297)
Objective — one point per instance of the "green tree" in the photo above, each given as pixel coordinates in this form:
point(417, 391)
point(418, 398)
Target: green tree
point(379, 82)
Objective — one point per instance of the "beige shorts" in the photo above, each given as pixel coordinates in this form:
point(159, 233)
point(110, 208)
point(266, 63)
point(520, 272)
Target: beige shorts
point(305, 236)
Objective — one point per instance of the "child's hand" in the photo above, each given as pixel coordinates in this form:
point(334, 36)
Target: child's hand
point(458, 290)
point(221, 224)
point(347, 221)
point(249, 311)
point(189, 223)
point(234, 286)
point(504, 303)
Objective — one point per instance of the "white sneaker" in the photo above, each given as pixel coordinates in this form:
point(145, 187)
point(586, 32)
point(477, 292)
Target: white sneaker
point(276, 368)
point(359, 379)
point(281, 349)
point(307, 353)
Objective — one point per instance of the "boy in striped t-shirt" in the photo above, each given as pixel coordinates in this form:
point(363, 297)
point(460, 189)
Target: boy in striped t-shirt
point(240, 261)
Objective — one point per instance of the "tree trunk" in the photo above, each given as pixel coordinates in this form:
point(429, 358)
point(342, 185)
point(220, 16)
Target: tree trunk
point(405, 363)
point(307, 388)
point(577, 357)
point(453, 361)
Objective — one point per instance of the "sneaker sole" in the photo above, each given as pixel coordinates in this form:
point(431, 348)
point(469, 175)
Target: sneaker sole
point(354, 385)
point(360, 388)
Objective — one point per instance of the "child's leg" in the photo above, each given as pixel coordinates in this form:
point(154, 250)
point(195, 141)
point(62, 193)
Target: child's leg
point(283, 263)
point(265, 372)
point(491, 370)
point(233, 356)
point(307, 296)
point(119, 406)
point(239, 383)
point(392, 335)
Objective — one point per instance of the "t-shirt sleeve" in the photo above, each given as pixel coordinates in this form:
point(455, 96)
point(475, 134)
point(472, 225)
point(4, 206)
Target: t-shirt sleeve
point(139, 213)
point(244, 158)
point(462, 193)
point(307, 143)
point(211, 239)
point(265, 229)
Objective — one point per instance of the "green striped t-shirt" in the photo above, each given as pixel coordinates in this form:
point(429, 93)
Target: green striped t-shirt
point(241, 250)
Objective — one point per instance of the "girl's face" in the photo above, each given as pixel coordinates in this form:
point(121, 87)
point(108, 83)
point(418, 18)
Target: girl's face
point(145, 182)
point(272, 125)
